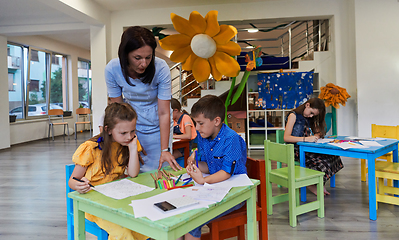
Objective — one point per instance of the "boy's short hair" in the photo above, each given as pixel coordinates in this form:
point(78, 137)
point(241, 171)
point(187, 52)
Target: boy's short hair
point(211, 106)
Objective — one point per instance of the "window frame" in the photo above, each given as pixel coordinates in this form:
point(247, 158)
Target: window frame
point(25, 67)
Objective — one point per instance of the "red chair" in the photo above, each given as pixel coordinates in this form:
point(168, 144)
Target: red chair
point(232, 224)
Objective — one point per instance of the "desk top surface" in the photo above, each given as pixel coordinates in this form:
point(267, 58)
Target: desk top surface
point(122, 207)
point(386, 143)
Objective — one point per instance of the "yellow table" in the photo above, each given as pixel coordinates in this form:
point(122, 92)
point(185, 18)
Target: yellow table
point(119, 211)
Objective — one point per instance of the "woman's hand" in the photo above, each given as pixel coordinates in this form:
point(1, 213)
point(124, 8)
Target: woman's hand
point(167, 157)
point(195, 173)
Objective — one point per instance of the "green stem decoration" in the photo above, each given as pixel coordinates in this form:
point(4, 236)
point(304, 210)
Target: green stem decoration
point(334, 121)
point(227, 103)
point(241, 87)
point(238, 93)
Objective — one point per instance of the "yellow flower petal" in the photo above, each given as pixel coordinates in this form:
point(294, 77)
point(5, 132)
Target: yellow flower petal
point(188, 64)
point(181, 54)
point(212, 25)
point(197, 21)
point(182, 25)
point(231, 48)
point(215, 73)
point(201, 69)
point(226, 65)
point(174, 42)
point(226, 33)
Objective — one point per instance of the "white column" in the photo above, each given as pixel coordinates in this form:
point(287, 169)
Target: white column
point(98, 63)
point(4, 119)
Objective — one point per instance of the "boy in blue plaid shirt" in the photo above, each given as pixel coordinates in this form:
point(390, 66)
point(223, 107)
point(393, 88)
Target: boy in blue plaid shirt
point(221, 151)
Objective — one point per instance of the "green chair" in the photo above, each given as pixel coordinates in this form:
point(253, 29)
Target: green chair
point(292, 177)
point(279, 139)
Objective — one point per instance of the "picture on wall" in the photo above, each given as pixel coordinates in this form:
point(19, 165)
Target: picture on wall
point(284, 90)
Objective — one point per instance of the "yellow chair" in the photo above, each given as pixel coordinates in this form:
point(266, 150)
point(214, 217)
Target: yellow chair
point(53, 113)
point(388, 170)
point(382, 132)
point(82, 111)
point(292, 177)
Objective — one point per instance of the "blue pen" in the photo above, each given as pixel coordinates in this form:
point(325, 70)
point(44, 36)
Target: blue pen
point(196, 158)
point(187, 182)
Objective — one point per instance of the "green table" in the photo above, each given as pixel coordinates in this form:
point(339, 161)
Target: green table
point(119, 211)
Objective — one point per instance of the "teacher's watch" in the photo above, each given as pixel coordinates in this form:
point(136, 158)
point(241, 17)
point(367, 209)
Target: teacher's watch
point(166, 150)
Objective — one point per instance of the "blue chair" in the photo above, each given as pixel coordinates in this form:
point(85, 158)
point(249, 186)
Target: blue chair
point(91, 227)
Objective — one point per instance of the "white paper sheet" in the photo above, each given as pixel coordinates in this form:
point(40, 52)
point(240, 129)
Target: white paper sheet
point(359, 138)
point(324, 140)
point(347, 145)
point(370, 143)
point(209, 195)
point(239, 180)
point(146, 208)
point(122, 189)
point(209, 192)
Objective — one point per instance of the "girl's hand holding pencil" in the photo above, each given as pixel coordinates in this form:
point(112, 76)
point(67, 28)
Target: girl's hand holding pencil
point(82, 185)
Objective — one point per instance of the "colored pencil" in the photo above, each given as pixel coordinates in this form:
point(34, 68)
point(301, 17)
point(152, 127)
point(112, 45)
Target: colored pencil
point(178, 179)
point(189, 185)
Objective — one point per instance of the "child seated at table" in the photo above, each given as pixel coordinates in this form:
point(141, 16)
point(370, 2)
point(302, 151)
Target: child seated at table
point(221, 151)
point(183, 127)
point(306, 123)
point(105, 157)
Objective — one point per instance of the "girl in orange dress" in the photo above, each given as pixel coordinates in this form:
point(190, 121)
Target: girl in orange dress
point(105, 157)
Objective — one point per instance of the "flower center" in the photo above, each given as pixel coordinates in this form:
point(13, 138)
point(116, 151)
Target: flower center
point(203, 46)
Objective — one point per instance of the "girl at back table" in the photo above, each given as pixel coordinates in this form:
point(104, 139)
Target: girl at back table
point(105, 157)
point(306, 123)
point(183, 126)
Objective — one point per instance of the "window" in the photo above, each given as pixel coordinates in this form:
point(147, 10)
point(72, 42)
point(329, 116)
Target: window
point(17, 55)
point(30, 93)
point(38, 70)
point(11, 82)
point(84, 77)
point(55, 59)
point(59, 83)
point(34, 86)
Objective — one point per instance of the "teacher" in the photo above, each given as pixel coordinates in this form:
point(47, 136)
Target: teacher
point(144, 80)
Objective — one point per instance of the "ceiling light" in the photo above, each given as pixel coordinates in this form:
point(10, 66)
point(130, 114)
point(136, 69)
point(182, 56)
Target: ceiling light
point(249, 47)
point(253, 30)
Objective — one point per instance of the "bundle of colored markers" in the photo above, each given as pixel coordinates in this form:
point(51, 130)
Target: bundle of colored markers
point(167, 183)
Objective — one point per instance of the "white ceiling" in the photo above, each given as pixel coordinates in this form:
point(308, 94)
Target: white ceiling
point(43, 17)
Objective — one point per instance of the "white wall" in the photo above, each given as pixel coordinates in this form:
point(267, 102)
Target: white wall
point(339, 12)
point(4, 119)
point(377, 63)
point(29, 130)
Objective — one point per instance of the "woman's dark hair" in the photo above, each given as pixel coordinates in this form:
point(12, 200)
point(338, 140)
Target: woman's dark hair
point(114, 113)
point(132, 39)
point(317, 123)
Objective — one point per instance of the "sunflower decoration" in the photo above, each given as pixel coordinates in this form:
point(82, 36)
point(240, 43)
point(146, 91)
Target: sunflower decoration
point(203, 46)
point(334, 95)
